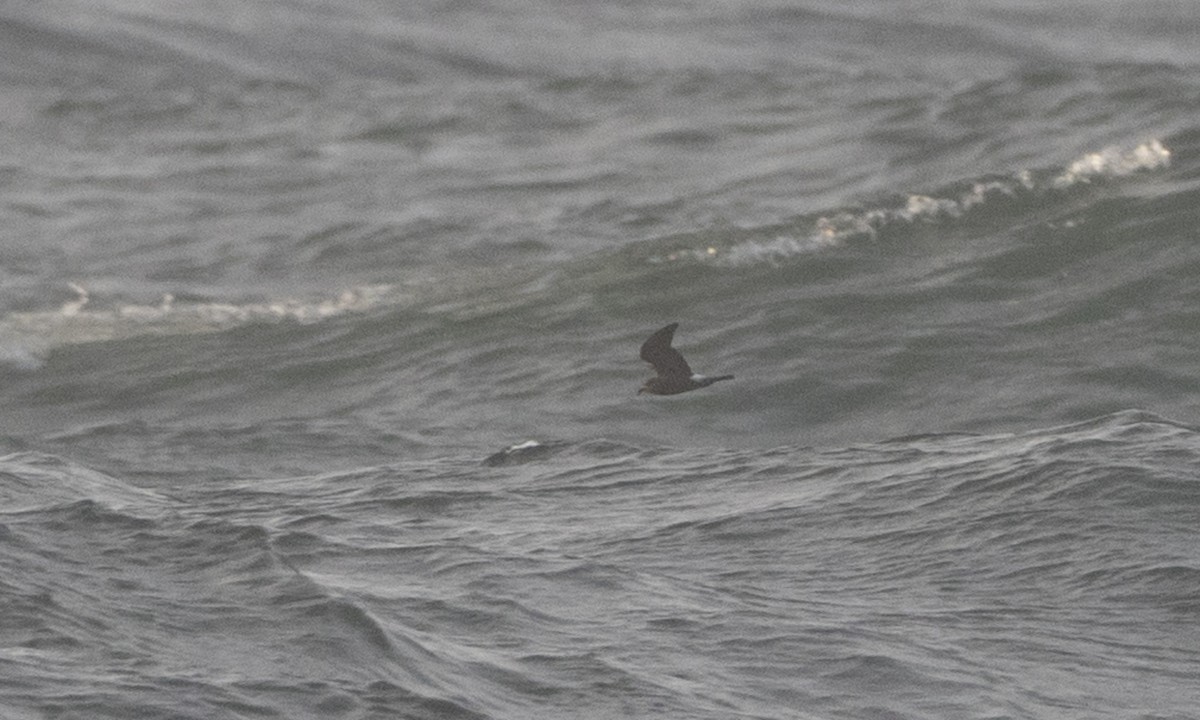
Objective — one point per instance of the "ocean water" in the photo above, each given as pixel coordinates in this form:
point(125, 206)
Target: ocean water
point(319, 328)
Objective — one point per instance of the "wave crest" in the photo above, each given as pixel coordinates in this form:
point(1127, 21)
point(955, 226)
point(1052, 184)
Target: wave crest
point(952, 204)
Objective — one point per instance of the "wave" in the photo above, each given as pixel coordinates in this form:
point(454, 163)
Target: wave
point(959, 202)
point(38, 480)
point(28, 337)
point(446, 586)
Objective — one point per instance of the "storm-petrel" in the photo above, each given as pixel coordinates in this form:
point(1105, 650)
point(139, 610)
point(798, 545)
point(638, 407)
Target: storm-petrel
point(674, 375)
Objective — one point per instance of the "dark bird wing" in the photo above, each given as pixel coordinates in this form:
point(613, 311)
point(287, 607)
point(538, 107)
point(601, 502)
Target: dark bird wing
point(666, 360)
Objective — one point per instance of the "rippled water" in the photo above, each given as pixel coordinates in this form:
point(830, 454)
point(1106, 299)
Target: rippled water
point(318, 359)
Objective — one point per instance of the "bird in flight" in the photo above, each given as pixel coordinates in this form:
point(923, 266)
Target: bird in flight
point(674, 376)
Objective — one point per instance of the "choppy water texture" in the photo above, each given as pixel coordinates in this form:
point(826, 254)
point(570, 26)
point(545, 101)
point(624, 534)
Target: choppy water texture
point(318, 359)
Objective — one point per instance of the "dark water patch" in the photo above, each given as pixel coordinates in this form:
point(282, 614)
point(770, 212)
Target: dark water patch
point(384, 698)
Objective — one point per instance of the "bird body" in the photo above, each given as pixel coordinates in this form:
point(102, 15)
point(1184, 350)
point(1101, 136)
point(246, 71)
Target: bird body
point(674, 375)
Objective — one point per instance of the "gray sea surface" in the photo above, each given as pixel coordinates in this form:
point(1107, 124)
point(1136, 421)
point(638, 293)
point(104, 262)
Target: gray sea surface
point(319, 329)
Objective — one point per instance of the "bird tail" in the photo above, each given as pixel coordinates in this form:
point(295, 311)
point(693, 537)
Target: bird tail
point(719, 378)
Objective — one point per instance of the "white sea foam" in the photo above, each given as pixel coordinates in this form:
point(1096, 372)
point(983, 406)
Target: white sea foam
point(829, 230)
point(1114, 162)
point(26, 337)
